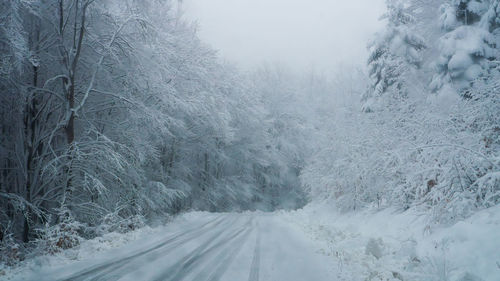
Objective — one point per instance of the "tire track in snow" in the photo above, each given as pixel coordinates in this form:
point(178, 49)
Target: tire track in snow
point(127, 267)
point(178, 239)
point(223, 260)
point(255, 267)
point(178, 270)
point(227, 258)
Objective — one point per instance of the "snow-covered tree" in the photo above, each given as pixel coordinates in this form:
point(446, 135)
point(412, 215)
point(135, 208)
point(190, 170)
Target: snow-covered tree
point(420, 147)
point(115, 111)
point(394, 54)
point(468, 49)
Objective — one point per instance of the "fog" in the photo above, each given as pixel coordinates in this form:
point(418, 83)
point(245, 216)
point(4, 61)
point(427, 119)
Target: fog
point(117, 118)
point(297, 33)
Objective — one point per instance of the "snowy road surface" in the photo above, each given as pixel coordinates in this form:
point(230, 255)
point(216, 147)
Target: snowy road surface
point(208, 247)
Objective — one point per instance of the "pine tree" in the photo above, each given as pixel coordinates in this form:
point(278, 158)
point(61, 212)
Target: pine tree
point(469, 47)
point(393, 56)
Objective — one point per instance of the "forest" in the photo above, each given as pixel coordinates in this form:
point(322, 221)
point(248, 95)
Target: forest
point(115, 115)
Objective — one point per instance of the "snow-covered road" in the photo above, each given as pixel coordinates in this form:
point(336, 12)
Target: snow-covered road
point(208, 247)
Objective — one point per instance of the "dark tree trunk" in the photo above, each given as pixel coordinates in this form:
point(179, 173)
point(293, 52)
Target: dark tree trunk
point(70, 127)
point(30, 132)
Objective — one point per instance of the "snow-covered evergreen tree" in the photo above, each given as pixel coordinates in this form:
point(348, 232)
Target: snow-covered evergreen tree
point(469, 47)
point(394, 54)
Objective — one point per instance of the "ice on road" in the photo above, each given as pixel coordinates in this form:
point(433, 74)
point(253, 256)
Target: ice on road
point(208, 247)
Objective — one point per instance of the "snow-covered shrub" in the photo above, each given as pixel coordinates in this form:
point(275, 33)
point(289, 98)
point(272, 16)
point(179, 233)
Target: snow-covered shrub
point(65, 234)
point(112, 222)
point(374, 247)
point(11, 251)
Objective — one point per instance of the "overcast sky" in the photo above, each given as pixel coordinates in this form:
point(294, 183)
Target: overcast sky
point(299, 33)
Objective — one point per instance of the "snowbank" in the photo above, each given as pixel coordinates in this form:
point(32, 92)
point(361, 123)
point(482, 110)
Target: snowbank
point(390, 245)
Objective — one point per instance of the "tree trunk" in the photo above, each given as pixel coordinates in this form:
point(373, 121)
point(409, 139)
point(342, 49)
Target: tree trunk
point(30, 131)
point(70, 127)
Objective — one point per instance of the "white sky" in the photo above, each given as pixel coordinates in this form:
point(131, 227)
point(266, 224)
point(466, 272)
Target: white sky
point(298, 33)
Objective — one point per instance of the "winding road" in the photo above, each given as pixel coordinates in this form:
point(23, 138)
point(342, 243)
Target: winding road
point(208, 247)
